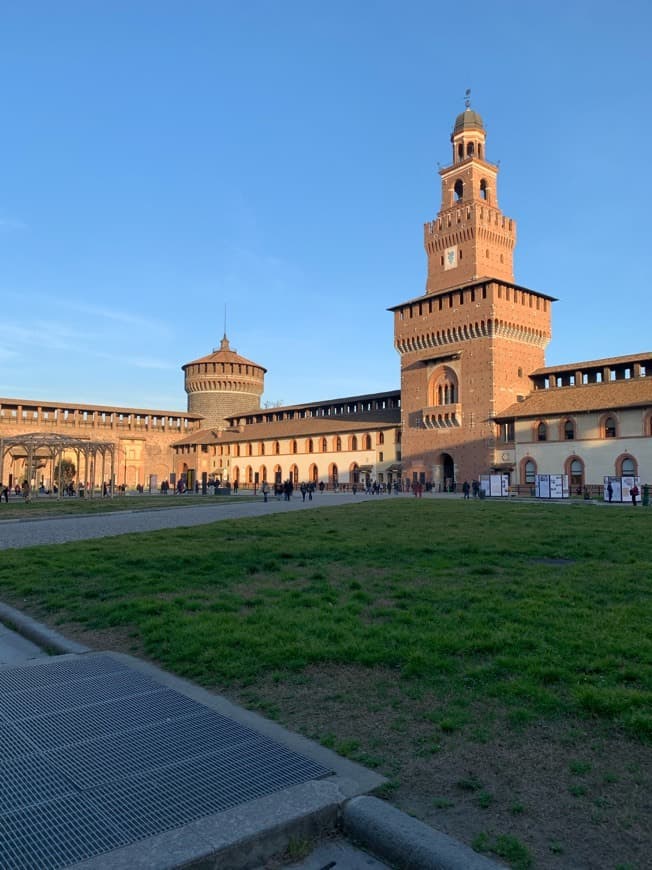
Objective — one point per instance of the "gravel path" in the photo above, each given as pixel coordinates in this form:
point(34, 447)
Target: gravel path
point(34, 532)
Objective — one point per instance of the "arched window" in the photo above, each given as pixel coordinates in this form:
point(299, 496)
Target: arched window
point(442, 387)
point(628, 467)
point(353, 443)
point(293, 447)
point(484, 193)
point(294, 474)
point(459, 189)
point(249, 476)
point(366, 442)
point(309, 445)
point(610, 427)
point(460, 151)
point(530, 471)
point(470, 148)
point(381, 437)
point(337, 443)
point(542, 432)
point(250, 450)
point(324, 445)
point(262, 474)
point(569, 430)
point(236, 450)
point(313, 473)
point(261, 448)
point(277, 448)
point(576, 475)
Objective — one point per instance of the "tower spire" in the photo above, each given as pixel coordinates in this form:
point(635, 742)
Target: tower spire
point(467, 98)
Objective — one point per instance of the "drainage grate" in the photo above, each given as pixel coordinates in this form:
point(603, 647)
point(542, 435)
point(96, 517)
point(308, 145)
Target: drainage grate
point(116, 715)
point(65, 696)
point(99, 755)
point(55, 835)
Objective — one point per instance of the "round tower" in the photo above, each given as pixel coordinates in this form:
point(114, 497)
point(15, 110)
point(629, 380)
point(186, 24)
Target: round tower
point(223, 384)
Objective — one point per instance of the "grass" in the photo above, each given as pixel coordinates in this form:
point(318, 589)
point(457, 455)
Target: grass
point(49, 506)
point(457, 598)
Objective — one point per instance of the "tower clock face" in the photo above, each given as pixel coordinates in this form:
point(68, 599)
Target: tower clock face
point(450, 258)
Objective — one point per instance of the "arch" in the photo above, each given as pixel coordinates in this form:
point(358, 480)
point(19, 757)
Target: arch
point(278, 474)
point(541, 431)
point(568, 429)
point(235, 474)
point(261, 448)
point(574, 468)
point(262, 473)
point(484, 190)
point(458, 189)
point(380, 438)
point(337, 443)
point(236, 450)
point(443, 387)
point(626, 466)
point(470, 149)
point(528, 470)
point(354, 473)
point(294, 448)
point(366, 442)
point(249, 474)
point(333, 474)
point(277, 448)
point(460, 151)
point(310, 446)
point(609, 426)
point(250, 449)
point(313, 473)
point(353, 442)
point(294, 474)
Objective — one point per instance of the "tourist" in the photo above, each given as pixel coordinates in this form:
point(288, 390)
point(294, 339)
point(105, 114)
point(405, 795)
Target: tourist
point(633, 491)
point(466, 489)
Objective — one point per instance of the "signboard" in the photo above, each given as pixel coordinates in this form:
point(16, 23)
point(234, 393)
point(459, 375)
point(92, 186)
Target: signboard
point(551, 486)
point(621, 487)
point(496, 485)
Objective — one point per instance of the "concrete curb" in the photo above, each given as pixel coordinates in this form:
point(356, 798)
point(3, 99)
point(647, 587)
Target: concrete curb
point(404, 842)
point(47, 638)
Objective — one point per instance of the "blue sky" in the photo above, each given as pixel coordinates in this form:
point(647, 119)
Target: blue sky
point(162, 160)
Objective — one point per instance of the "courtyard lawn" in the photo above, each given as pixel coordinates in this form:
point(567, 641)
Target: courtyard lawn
point(493, 659)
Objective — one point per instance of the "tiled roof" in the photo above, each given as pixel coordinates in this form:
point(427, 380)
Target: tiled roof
point(632, 393)
point(325, 403)
point(298, 428)
point(643, 357)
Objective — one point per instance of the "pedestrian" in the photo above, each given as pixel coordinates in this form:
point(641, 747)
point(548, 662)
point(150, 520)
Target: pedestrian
point(265, 489)
point(610, 491)
point(4, 493)
point(26, 491)
point(466, 489)
point(633, 491)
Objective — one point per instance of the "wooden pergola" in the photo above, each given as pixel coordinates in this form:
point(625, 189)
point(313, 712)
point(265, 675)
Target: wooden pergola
point(40, 448)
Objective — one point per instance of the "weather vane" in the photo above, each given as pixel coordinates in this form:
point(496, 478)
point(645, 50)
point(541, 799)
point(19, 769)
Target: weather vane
point(467, 98)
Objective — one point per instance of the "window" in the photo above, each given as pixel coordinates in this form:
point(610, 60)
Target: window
point(366, 442)
point(483, 189)
point(569, 430)
point(354, 443)
point(542, 432)
point(338, 443)
point(610, 427)
point(628, 467)
point(530, 471)
point(459, 189)
point(277, 448)
point(324, 445)
point(293, 447)
point(576, 475)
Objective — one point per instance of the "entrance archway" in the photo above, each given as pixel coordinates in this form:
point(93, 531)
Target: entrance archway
point(447, 472)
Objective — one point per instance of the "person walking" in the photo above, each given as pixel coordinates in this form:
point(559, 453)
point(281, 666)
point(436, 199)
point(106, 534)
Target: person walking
point(466, 489)
point(610, 491)
point(265, 488)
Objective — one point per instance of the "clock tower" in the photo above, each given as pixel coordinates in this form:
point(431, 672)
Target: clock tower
point(468, 345)
point(470, 238)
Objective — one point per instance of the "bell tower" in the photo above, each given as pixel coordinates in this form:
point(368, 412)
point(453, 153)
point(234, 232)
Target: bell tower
point(470, 342)
point(470, 238)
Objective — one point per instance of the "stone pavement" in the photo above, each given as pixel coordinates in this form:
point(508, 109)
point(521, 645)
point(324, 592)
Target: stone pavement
point(173, 514)
point(108, 763)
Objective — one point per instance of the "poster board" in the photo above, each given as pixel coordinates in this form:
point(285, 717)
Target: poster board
point(551, 486)
point(495, 485)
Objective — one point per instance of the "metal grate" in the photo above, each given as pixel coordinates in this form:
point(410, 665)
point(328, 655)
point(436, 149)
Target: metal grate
point(97, 755)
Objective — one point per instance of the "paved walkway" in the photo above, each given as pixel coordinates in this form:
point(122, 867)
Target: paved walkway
point(76, 527)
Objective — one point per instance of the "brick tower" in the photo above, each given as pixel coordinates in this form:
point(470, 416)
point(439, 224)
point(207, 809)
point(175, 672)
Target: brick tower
point(223, 384)
point(468, 345)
